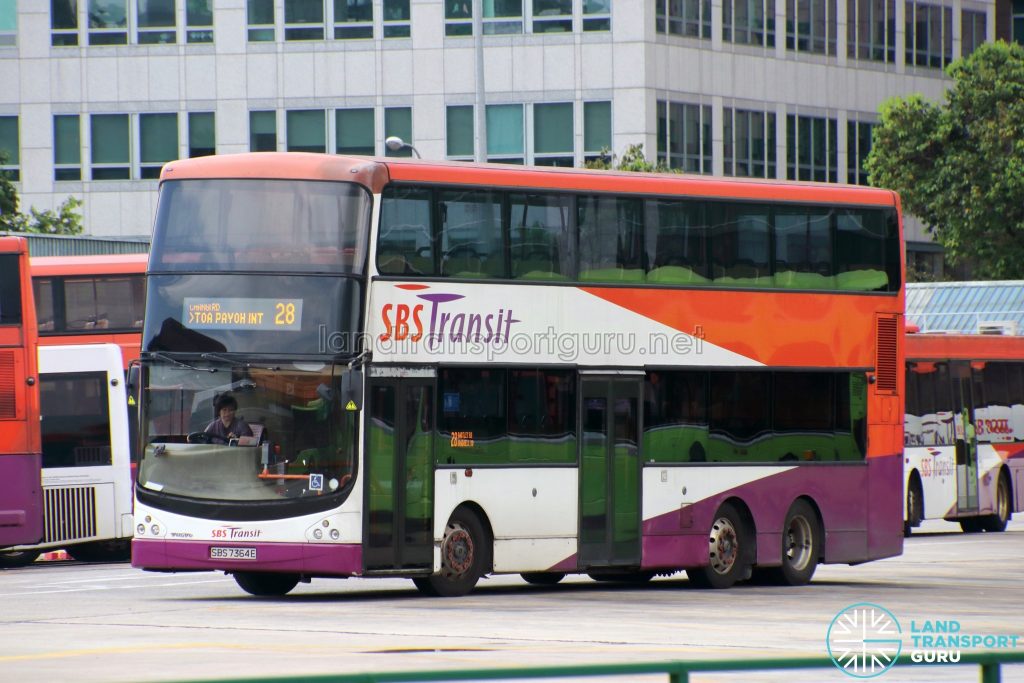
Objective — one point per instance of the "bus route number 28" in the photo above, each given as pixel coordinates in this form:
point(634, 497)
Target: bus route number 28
point(284, 314)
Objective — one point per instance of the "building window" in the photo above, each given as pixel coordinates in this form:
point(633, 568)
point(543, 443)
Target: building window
point(459, 126)
point(108, 22)
point(8, 22)
point(458, 18)
point(199, 21)
point(811, 26)
point(1017, 18)
point(304, 19)
point(398, 123)
point(972, 31)
point(811, 148)
point(202, 135)
point(396, 19)
point(503, 16)
point(749, 22)
point(158, 143)
point(505, 133)
point(597, 15)
point(67, 147)
point(263, 131)
point(597, 129)
point(871, 30)
point(353, 19)
point(858, 146)
point(260, 17)
point(553, 135)
point(684, 17)
point(306, 130)
point(9, 156)
point(552, 16)
point(749, 145)
point(354, 131)
point(684, 136)
point(63, 22)
point(929, 35)
point(156, 22)
point(111, 157)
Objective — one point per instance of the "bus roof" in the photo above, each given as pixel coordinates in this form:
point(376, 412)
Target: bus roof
point(937, 347)
point(375, 173)
point(105, 264)
point(12, 244)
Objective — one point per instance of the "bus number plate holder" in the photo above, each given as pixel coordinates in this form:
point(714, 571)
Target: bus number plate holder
point(232, 553)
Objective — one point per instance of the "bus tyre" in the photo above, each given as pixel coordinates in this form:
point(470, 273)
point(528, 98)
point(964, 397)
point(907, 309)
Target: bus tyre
point(971, 525)
point(730, 549)
point(801, 545)
point(257, 583)
point(915, 505)
point(542, 578)
point(999, 520)
point(17, 558)
point(101, 551)
point(465, 557)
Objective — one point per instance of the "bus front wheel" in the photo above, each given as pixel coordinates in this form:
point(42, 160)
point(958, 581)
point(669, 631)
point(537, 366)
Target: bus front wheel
point(730, 549)
point(999, 520)
point(263, 585)
point(465, 557)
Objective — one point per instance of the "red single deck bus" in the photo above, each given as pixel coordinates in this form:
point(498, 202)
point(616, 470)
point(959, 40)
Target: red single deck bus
point(91, 300)
point(380, 367)
point(21, 490)
point(964, 455)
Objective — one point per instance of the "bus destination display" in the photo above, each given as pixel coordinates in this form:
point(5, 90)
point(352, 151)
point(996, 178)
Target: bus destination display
point(237, 313)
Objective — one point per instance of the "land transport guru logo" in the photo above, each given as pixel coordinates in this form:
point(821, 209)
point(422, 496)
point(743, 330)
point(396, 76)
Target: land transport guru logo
point(865, 640)
point(428, 321)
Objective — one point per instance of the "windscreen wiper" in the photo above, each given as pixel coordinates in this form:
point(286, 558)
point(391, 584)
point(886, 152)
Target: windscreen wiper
point(181, 364)
point(230, 361)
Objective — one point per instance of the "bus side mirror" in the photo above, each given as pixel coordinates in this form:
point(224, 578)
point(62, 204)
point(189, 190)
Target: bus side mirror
point(352, 390)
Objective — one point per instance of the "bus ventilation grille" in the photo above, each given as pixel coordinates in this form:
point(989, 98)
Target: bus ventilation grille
point(886, 367)
point(8, 399)
point(70, 513)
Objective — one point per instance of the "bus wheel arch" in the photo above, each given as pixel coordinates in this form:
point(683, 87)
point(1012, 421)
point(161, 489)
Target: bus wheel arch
point(732, 547)
point(915, 503)
point(467, 551)
point(998, 520)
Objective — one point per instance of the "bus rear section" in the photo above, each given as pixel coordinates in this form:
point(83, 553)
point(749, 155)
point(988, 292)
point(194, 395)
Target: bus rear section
point(21, 496)
point(964, 430)
point(87, 469)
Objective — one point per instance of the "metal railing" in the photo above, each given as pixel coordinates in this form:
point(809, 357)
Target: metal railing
point(990, 664)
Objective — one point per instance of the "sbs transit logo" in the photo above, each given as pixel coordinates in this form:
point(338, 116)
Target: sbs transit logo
point(864, 640)
point(432, 322)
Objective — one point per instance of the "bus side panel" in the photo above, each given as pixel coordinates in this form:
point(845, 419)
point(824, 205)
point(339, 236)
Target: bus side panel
point(885, 506)
point(21, 493)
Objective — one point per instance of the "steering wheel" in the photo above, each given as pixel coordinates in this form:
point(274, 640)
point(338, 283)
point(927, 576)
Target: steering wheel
point(199, 437)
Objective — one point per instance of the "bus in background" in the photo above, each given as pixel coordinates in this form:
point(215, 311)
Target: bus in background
point(369, 367)
point(964, 431)
point(21, 495)
point(87, 470)
point(91, 300)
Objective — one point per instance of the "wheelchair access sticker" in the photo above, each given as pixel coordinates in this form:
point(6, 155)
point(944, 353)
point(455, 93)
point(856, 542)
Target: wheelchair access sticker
point(316, 482)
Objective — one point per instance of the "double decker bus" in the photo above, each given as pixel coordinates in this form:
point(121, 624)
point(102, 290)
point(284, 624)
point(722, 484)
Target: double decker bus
point(964, 449)
point(21, 510)
point(91, 300)
point(441, 371)
point(86, 466)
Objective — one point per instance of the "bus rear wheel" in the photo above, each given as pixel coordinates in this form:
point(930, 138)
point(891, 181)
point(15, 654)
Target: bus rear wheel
point(101, 551)
point(801, 545)
point(542, 578)
point(915, 505)
point(263, 585)
point(998, 521)
point(17, 558)
point(465, 557)
point(730, 548)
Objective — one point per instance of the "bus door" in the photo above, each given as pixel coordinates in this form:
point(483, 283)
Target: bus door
point(398, 524)
point(610, 466)
point(966, 439)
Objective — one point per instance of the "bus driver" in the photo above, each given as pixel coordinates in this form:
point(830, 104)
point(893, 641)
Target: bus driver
point(226, 426)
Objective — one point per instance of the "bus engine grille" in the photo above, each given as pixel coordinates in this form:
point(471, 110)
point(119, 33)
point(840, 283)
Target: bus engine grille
point(70, 513)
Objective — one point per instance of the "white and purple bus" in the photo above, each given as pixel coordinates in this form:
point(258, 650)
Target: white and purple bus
point(441, 371)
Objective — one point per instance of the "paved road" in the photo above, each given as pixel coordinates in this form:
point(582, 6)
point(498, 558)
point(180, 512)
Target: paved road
point(66, 621)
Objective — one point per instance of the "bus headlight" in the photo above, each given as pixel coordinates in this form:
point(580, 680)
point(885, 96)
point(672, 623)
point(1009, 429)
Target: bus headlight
point(318, 534)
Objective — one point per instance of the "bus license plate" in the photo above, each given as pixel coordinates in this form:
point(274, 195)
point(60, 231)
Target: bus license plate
point(232, 553)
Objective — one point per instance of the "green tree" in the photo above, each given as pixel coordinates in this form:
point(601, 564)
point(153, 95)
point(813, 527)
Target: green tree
point(64, 221)
point(632, 159)
point(959, 166)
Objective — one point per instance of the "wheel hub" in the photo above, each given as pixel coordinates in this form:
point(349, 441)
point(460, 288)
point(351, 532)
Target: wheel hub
point(724, 546)
point(457, 550)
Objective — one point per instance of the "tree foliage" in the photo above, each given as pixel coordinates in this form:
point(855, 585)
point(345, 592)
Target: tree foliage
point(632, 159)
point(959, 166)
point(64, 221)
